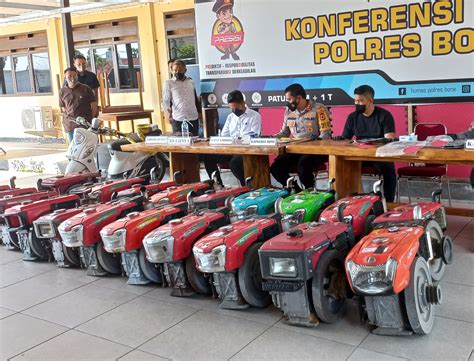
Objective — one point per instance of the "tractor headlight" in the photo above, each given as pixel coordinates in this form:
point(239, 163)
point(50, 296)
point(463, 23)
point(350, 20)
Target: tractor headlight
point(115, 242)
point(159, 246)
point(73, 237)
point(163, 201)
point(44, 230)
point(211, 262)
point(372, 279)
point(283, 267)
point(79, 138)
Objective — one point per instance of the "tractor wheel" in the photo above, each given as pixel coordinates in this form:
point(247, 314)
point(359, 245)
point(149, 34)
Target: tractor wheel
point(368, 224)
point(110, 262)
point(71, 255)
point(250, 279)
point(420, 296)
point(329, 286)
point(437, 265)
point(38, 246)
point(150, 270)
point(196, 279)
point(14, 241)
point(317, 215)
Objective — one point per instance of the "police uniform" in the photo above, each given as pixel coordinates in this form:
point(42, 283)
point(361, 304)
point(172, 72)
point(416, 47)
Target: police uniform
point(226, 28)
point(314, 122)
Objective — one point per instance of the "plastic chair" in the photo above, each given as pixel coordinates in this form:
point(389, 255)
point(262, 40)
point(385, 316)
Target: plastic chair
point(437, 172)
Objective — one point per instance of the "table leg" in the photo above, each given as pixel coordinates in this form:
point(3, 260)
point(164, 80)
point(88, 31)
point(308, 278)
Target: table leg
point(257, 167)
point(150, 120)
point(188, 164)
point(133, 126)
point(347, 174)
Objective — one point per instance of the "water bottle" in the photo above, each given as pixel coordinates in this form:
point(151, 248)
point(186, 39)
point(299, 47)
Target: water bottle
point(184, 128)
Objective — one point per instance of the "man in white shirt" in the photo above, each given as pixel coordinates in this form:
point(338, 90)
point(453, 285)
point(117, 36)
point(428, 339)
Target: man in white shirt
point(180, 101)
point(242, 122)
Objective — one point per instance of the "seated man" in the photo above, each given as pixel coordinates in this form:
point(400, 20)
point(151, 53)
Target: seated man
point(369, 121)
point(242, 122)
point(303, 119)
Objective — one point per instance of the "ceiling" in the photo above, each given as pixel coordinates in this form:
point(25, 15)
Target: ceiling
point(25, 10)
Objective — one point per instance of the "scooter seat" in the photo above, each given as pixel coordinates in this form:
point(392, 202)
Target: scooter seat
point(117, 144)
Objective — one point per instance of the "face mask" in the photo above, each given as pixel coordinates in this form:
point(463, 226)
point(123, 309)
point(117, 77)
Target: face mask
point(238, 112)
point(72, 81)
point(360, 108)
point(292, 106)
point(180, 76)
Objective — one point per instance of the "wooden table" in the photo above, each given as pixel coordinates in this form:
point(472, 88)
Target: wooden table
point(126, 117)
point(345, 160)
point(186, 158)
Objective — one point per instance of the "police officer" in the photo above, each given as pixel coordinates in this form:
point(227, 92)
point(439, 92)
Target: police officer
point(303, 119)
point(224, 10)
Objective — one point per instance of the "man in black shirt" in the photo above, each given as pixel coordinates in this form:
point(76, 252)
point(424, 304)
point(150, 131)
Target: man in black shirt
point(369, 121)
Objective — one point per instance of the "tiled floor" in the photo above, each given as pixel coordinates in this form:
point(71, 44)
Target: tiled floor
point(48, 313)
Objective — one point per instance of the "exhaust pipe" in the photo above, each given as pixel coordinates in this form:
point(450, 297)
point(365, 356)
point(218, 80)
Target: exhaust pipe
point(290, 184)
point(217, 180)
point(436, 195)
point(176, 175)
point(248, 182)
point(340, 212)
point(190, 200)
point(12, 182)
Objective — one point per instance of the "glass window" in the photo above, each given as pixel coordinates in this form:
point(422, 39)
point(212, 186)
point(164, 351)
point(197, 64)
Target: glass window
point(128, 64)
point(6, 75)
point(183, 48)
point(104, 62)
point(41, 72)
point(85, 52)
point(21, 66)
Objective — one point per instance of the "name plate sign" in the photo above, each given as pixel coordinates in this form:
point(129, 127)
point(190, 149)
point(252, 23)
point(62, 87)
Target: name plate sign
point(470, 144)
point(263, 142)
point(221, 141)
point(180, 141)
point(156, 140)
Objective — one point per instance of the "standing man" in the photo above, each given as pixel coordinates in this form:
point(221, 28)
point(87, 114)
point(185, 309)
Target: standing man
point(303, 120)
point(180, 101)
point(75, 100)
point(242, 122)
point(369, 121)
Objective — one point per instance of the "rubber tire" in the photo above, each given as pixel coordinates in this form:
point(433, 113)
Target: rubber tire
point(250, 287)
point(436, 265)
point(37, 246)
point(71, 255)
point(153, 162)
point(317, 215)
point(368, 224)
point(411, 299)
point(196, 279)
point(150, 270)
point(110, 262)
point(320, 301)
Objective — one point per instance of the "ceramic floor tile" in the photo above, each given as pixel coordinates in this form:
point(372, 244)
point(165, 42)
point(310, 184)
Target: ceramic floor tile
point(281, 344)
point(468, 230)
point(204, 336)
point(457, 302)
point(348, 330)
point(74, 345)
point(196, 301)
point(17, 271)
point(80, 305)
point(449, 340)
point(19, 332)
point(365, 355)
point(456, 224)
point(27, 293)
point(137, 355)
point(120, 284)
point(461, 271)
point(137, 321)
point(4, 312)
point(7, 256)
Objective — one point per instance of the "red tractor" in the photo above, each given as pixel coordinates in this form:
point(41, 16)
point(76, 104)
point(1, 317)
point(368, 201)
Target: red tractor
point(46, 229)
point(148, 190)
point(359, 210)
point(303, 269)
point(230, 256)
point(432, 217)
point(83, 230)
point(64, 184)
point(171, 247)
point(19, 221)
point(9, 201)
point(389, 272)
point(125, 235)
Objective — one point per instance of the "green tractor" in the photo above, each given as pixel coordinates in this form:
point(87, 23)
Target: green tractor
point(305, 206)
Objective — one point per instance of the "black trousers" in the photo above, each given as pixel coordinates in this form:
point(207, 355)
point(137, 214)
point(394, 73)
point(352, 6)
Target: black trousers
point(303, 164)
point(193, 127)
point(236, 163)
point(389, 178)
